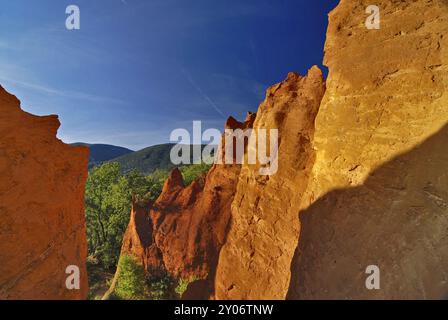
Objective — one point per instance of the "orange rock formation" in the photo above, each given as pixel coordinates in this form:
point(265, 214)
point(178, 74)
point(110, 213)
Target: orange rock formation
point(182, 232)
point(42, 223)
point(255, 260)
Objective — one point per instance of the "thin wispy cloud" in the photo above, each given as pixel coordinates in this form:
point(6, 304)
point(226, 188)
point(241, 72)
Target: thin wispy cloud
point(61, 93)
point(5, 45)
point(201, 93)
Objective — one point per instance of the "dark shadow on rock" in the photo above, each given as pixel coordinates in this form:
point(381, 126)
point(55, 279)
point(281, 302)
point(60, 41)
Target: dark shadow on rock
point(397, 220)
point(204, 289)
point(199, 290)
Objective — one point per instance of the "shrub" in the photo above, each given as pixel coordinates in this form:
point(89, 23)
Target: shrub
point(161, 288)
point(182, 286)
point(131, 282)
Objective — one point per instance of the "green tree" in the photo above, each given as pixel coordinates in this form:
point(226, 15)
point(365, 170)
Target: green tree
point(108, 203)
point(156, 181)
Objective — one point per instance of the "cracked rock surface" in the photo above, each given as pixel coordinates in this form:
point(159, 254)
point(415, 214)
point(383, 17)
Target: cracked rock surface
point(42, 221)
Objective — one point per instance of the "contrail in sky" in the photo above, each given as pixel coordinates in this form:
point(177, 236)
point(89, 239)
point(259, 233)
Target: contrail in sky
point(199, 90)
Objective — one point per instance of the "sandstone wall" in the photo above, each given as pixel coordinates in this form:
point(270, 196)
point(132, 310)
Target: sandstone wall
point(378, 194)
point(255, 261)
point(42, 223)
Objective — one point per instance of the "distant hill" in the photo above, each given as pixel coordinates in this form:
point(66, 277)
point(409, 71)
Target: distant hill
point(100, 153)
point(149, 159)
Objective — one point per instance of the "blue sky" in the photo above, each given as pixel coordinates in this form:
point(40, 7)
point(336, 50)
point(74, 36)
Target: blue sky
point(137, 69)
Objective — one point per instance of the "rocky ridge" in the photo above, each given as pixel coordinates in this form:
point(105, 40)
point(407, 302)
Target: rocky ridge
point(182, 232)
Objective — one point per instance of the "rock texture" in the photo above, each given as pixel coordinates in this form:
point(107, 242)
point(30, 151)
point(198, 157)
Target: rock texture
point(42, 223)
point(255, 260)
point(182, 232)
point(378, 194)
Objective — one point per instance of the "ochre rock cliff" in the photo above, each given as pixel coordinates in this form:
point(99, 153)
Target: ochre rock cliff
point(378, 194)
point(182, 232)
point(42, 223)
point(255, 260)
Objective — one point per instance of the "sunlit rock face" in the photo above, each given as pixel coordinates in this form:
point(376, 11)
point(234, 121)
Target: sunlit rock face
point(42, 221)
point(255, 261)
point(378, 192)
point(386, 89)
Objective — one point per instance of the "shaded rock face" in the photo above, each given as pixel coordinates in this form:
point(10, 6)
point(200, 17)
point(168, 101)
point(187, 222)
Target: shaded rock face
point(378, 190)
point(396, 220)
point(138, 240)
point(42, 222)
point(255, 260)
point(182, 232)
